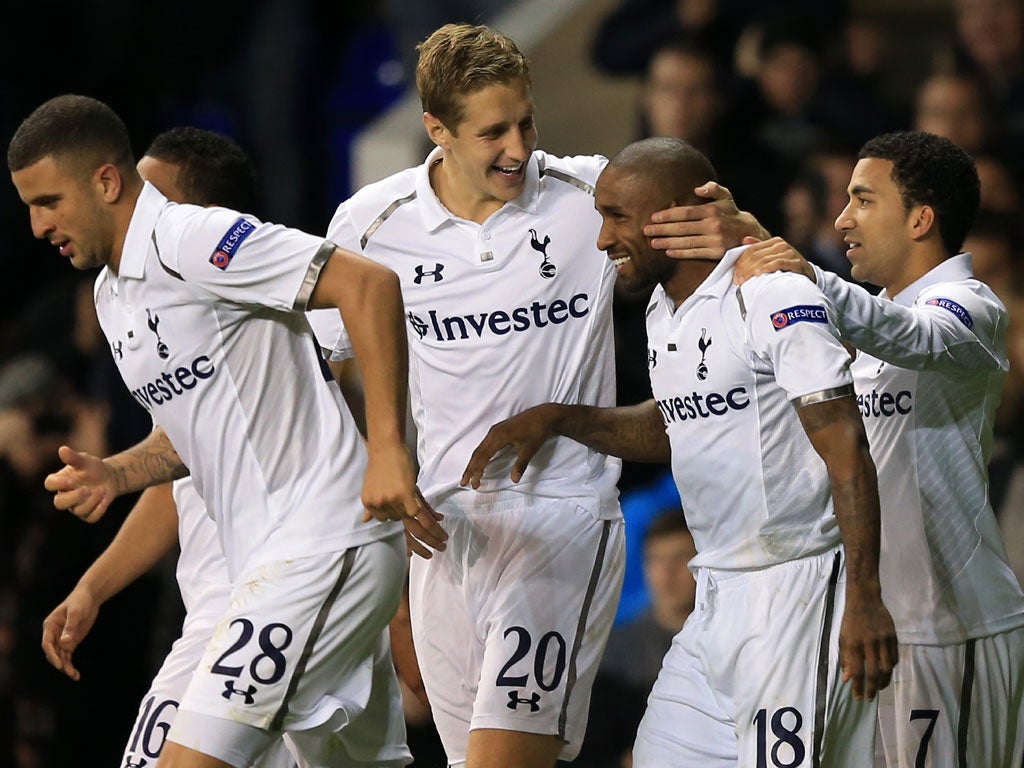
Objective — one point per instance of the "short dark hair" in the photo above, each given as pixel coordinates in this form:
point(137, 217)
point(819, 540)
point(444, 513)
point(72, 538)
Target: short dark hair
point(932, 170)
point(668, 521)
point(672, 163)
point(214, 170)
point(71, 128)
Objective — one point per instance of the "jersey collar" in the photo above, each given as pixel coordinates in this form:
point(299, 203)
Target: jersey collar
point(715, 285)
point(140, 231)
point(433, 212)
point(950, 271)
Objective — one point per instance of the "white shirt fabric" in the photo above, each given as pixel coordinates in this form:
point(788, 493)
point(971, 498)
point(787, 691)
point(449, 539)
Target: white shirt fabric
point(481, 300)
point(205, 323)
point(725, 367)
point(201, 572)
point(945, 577)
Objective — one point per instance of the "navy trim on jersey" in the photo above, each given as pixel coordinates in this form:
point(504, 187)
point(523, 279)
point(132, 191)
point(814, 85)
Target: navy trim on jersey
point(965, 704)
point(384, 217)
point(167, 269)
point(581, 626)
point(821, 685)
point(314, 635)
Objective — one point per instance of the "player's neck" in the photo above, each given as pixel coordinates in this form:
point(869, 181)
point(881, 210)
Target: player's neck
point(461, 200)
point(688, 275)
point(122, 219)
point(919, 263)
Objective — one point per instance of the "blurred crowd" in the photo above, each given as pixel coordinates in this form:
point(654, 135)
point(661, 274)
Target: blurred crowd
point(780, 95)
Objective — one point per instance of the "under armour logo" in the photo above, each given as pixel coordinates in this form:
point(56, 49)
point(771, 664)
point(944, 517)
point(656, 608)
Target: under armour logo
point(514, 701)
point(547, 269)
point(652, 358)
point(117, 349)
point(230, 690)
point(434, 273)
point(417, 325)
point(153, 321)
point(141, 764)
point(702, 344)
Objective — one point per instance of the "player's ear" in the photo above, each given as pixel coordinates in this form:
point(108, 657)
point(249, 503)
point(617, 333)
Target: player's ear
point(922, 221)
point(436, 130)
point(109, 181)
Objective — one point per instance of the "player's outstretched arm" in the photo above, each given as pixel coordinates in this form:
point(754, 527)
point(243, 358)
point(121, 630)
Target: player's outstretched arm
point(867, 640)
point(87, 485)
point(703, 231)
point(148, 533)
point(634, 432)
point(370, 300)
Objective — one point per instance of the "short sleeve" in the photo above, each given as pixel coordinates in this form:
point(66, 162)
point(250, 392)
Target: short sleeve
point(791, 325)
point(239, 258)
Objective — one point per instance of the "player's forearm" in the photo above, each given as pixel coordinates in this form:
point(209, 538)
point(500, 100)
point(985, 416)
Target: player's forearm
point(837, 434)
point(148, 533)
point(634, 433)
point(150, 462)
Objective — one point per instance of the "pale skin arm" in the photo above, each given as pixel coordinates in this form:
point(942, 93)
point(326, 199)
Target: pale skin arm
point(634, 433)
point(87, 485)
point(370, 300)
point(148, 533)
point(703, 231)
point(867, 638)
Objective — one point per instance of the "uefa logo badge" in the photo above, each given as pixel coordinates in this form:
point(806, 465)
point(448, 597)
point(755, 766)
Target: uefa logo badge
point(220, 260)
point(780, 320)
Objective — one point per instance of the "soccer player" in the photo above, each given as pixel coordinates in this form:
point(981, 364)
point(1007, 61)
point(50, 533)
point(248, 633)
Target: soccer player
point(928, 378)
point(754, 406)
point(203, 309)
point(508, 305)
point(187, 165)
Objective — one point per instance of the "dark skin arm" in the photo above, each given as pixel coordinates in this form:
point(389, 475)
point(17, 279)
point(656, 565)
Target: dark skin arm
point(867, 639)
point(634, 433)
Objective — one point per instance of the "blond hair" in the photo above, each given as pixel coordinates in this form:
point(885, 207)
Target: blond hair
point(457, 60)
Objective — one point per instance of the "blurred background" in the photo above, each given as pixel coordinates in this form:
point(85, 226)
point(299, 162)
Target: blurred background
point(779, 94)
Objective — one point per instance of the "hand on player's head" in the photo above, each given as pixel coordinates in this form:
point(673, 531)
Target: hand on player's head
point(702, 231)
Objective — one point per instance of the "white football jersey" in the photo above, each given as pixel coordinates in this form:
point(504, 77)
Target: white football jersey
point(205, 322)
point(201, 572)
point(725, 366)
point(944, 572)
point(502, 316)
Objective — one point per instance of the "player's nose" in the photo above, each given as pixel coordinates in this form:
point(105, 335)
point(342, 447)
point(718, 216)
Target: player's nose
point(41, 223)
